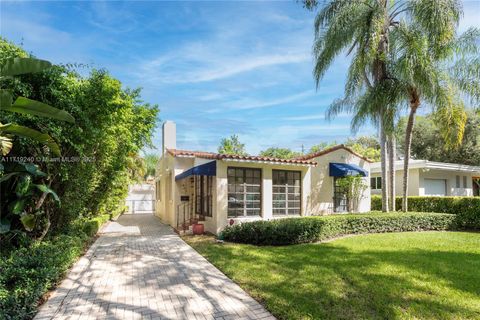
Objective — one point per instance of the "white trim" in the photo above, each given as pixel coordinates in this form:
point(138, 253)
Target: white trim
point(425, 164)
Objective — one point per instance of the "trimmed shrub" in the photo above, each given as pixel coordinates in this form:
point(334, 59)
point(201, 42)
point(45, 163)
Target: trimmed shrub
point(467, 209)
point(26, 274)
point(309, 229)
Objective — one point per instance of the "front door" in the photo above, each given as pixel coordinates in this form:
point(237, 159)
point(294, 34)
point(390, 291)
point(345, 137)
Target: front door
point(203, 196)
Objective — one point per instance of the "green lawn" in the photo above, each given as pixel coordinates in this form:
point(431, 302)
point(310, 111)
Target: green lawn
point(425, 275)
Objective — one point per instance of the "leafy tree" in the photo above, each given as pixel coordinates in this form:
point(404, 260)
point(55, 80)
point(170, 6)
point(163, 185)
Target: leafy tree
point(281, 153)
point(13, 67)
point(151, 161)
point(232, 145)
point(367, 146)
point(422, 49)
point(321, 146)
point(426, 144)
point(111, 124)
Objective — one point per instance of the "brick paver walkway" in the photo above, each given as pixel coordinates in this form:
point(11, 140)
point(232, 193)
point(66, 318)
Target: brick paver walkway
point(140, 269)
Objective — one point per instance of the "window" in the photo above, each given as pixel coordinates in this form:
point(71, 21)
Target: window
point(376, 183)
point(464, 182)
point(244, 192)
point(286, 192)
point(457, 182)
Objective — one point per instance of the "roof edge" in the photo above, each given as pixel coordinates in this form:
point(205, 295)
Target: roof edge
point(332, 149)
point(233, 157)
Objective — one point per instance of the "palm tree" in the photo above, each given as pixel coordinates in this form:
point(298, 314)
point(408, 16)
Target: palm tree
point(421, 63)
point(362, 29)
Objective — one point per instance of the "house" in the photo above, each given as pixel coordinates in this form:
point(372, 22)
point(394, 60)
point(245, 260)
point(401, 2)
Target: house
point(140, 199)
point(429, 178)
point(218, 189)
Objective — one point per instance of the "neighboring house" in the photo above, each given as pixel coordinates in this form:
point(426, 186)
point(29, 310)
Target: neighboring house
point(218, 189)
point(428, 178)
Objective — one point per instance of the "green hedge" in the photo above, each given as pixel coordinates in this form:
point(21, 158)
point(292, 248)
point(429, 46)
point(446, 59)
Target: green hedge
point(29, 272)
point(309, 229)
point(467, 209)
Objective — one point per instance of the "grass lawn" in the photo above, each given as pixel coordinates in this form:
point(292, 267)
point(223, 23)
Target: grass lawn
point(424, 275)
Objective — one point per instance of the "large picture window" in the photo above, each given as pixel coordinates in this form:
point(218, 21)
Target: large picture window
point(287, 192)
point(244, 192)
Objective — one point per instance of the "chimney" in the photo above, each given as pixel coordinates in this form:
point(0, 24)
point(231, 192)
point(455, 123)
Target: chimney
point(169, 136)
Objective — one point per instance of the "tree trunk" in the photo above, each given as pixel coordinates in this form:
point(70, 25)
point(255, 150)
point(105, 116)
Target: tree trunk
point(392, 157)
point(414, 104)
point(383, 155)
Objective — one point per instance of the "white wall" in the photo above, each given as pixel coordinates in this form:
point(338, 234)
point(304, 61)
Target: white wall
point(413, 183)
point(416, 182)
point(321, 197)
point(450, 177)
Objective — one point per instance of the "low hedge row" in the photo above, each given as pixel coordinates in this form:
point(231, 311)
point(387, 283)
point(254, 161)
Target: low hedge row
point(309, 229)
point(29, 272)
point(467, 209)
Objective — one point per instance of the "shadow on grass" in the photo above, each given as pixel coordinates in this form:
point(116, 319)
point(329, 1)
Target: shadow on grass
point(333, 281)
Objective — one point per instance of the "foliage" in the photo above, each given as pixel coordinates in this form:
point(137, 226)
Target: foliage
point(18, 66)
point(309, 229)
point(112, 124)
point(29, 272)
point(367, 146)
point(353, 187)
point(412, 275)
point(321, 146)
point(426, 144)
point(280, 153)
point(232, 145)
point(151, 161)
point(467, 209)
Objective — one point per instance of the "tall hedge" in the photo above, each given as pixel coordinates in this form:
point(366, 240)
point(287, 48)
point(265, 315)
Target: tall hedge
point(309, 229)
point(111, 125)
point(467, 209)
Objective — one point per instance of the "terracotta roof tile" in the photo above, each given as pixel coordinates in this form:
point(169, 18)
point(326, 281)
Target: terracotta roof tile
point(218, 156)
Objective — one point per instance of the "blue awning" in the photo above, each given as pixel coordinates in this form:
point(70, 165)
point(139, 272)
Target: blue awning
point(206, 169)
point(345, 169)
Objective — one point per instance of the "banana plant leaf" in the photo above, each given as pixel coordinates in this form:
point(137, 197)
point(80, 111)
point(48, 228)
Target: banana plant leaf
point(47, 190)
point(17, 66)
point(21, 167)
point(32, 134)
point(27, 106)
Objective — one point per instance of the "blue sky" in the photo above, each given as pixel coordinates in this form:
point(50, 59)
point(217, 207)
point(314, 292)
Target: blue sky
point(215, 68)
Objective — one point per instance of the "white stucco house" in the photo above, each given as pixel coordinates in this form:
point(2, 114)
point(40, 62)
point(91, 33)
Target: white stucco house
point(429, 178)
point(217, 189)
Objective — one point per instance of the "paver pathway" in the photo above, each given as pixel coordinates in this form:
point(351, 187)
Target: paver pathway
point(140, 269)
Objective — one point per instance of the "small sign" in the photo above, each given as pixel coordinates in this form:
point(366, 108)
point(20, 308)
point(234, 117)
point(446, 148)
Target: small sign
point(184, 198)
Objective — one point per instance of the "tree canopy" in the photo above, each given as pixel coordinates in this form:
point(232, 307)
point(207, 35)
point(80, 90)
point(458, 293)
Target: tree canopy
point(428, 145)
point(232, 145)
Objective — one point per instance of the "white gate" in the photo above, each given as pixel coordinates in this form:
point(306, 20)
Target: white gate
point(141, 199)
